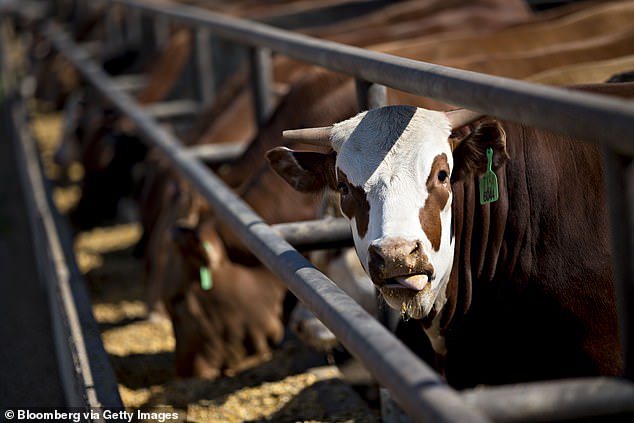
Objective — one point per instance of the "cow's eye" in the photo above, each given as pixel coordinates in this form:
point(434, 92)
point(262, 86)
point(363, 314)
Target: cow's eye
point(442, 176)
point(343, 189)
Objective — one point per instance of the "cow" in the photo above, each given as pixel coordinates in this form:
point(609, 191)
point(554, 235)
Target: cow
point(413, 18)
point(588, 22)
point(511, 290)
point(614, 44)
point(586, 72)
point(600, 32)
point(218, 327)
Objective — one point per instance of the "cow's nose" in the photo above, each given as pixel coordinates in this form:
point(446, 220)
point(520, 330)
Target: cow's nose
point(397, 257)
point(377, 256)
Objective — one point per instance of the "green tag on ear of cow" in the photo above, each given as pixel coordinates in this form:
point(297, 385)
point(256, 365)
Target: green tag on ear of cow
point(489, 182)
point(205, 278)
point(206, 282)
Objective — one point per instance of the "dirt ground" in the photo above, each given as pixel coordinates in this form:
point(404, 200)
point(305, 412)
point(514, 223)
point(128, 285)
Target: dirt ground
point(295, 384)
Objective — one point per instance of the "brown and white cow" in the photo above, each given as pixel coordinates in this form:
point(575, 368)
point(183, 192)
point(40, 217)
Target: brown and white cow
point(514, 290)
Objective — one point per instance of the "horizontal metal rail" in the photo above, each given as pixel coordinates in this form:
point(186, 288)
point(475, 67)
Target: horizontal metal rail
point(174, 108)
point(316, 234)
point(215, 154)
point(556, 401)
point(416, 387)
point(590, 117)
point(130, 82)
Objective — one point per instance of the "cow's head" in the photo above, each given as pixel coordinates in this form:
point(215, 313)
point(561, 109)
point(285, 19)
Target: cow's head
point(394, 168)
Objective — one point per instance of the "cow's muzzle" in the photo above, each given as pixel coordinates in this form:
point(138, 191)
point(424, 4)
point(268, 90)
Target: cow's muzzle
point(399, 263)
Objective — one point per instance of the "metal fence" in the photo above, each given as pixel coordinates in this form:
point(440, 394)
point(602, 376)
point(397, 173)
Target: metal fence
point(417, 388)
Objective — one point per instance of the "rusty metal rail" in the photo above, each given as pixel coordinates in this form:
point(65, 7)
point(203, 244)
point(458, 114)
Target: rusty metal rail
point(415, 386)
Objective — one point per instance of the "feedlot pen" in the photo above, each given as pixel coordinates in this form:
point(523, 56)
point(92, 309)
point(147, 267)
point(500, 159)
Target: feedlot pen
point(415, 387)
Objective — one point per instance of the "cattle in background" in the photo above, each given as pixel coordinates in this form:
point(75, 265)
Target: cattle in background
point(523, 64)
point(586, 72)
point(225, 316)
point(259, 187)
point(233, 125)
point(408, 19)
point(511, 290)
point(598, 32)
point(56, 78)
point(588, 22)
point(109, 146)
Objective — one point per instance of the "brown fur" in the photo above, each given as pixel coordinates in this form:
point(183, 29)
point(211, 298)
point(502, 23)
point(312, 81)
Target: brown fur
point(355, 204)
point(230, 326)
point(439, 193)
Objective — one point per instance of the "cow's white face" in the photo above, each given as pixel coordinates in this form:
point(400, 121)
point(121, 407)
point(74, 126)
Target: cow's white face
point(393, 172)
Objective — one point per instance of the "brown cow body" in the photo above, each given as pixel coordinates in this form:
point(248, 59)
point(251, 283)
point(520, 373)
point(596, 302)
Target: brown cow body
point(534, 35)
point(418, 18)
point(531, 296)
point(232, 325)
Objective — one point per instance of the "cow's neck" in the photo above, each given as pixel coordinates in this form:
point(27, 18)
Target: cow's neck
point(478, 236)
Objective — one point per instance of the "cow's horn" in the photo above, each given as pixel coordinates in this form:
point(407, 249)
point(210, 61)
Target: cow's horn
point(461, 117)
point(318, 136)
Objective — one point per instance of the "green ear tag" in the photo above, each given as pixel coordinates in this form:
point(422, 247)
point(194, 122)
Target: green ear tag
point(206, 282)
point(489, 182)
point(205, 278)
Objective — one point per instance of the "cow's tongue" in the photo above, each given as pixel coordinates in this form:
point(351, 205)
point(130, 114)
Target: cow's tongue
point(415, 282)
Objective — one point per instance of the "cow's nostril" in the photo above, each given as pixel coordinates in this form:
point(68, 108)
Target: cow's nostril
point(417, 249)
point(376, 256)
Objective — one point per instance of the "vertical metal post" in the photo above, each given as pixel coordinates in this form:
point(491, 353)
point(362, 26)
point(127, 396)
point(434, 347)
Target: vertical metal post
point(4, 60)
point(205, 68)
point(79, 15)
point(261, 82)
point(148, 34)
point(370, 95)
point(619, 185)
point(161, 30)
point(111, 29)
point(56, 7)
point(133, 26)
point(62, 9)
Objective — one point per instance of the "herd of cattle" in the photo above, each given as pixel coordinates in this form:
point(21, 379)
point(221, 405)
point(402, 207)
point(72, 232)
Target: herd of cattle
point(512, 290)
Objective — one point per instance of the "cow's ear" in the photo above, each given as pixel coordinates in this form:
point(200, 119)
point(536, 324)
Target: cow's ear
point(305, 171)
point(469, 153)
point(189, 244)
